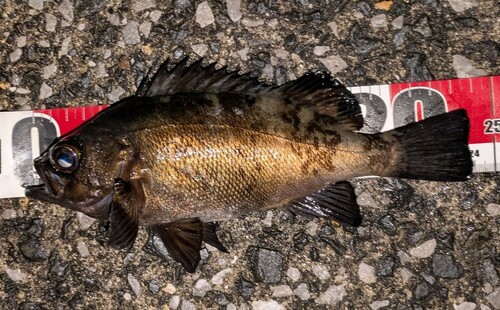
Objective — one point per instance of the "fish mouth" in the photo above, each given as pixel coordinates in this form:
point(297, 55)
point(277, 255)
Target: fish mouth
point(98, 207)
point(52, 185)
point(47, 190)
point(39, 191)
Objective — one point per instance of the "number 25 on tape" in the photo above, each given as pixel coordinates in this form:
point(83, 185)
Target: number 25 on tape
point(491, 126)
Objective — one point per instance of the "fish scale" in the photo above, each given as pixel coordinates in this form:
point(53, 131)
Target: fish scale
point(218, 156)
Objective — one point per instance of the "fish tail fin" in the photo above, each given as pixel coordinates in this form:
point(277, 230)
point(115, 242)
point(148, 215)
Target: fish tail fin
point(434, 149)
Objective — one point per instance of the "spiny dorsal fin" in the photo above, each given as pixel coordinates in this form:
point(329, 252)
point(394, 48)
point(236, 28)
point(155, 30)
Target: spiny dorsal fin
point(337, 201)
point(317, 92)
point(198, 78)
point(128, 199)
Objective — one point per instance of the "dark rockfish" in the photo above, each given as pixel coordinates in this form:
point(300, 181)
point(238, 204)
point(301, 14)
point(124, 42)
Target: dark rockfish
point(197, 145)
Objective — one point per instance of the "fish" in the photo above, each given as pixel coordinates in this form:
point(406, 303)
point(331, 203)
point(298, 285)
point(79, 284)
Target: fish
point(197, 145)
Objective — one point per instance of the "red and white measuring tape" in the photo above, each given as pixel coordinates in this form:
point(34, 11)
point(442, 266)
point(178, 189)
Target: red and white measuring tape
point(24, 134)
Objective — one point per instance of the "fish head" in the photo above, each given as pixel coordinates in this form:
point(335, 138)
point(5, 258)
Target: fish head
point(78, 173)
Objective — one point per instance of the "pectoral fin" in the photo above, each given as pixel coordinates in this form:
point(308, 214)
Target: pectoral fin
point(183, 240)
point(128, 199)
point(337, 201)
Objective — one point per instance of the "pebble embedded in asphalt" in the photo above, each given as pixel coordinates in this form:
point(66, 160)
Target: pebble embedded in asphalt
point(444, 266)
point(266, 264)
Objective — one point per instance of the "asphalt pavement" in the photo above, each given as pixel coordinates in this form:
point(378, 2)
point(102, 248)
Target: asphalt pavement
point(422, 245)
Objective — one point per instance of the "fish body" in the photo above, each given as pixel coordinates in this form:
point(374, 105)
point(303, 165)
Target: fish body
point(216, 172)
point(197, 145)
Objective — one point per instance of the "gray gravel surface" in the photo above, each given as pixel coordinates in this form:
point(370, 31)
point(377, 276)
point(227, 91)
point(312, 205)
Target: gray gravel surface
point(422, 244)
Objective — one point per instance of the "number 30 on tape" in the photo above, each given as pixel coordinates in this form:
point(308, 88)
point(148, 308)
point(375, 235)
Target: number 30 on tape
point(24, 134)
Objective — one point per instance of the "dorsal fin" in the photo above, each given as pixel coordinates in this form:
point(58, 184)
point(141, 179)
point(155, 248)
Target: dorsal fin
point(329, 103)
point(325, 95)
point(198, 78)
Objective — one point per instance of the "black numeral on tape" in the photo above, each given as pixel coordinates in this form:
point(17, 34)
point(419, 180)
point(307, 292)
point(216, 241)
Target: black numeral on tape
point(474, 153)
point(28, 132)
point(412, 102)
point(491, 126)
point(376, 112)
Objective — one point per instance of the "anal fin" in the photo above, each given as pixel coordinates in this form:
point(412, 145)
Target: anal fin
point(183, 240)
point(337, 201)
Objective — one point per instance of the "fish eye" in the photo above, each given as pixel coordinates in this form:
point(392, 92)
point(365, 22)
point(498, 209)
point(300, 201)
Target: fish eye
point(64, 158)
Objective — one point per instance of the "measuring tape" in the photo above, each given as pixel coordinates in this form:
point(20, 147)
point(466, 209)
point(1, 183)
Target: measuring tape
point(24, 134)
